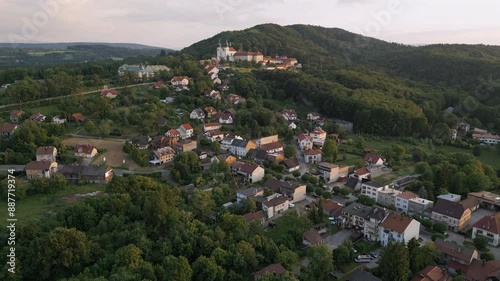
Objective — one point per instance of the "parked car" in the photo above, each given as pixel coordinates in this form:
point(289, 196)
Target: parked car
point(363, 258)
point(373, 255)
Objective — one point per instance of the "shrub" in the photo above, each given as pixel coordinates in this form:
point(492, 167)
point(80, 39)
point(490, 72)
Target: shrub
point(426, 223)
point(319, 191)
point(344, 192)
point(310, 188)
point(327, 194)
point(305, 177)
point(487, 256)
point(395, 168)
point(481, 243)
point(313, 180)
point(439, 227)
point(437, 235)
point(296, 174)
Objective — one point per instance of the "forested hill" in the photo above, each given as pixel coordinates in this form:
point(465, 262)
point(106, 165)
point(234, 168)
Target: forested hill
point(434, 77)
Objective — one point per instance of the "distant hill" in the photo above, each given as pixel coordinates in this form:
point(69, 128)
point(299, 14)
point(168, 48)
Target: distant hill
point(64, 45)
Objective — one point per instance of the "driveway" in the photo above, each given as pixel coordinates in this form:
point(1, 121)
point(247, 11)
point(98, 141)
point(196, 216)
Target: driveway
point(304, 168)
point(335, 240)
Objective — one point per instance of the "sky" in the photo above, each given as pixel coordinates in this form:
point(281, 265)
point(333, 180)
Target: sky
point(179, 23)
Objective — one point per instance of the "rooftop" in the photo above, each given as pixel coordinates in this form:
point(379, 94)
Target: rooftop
point(396, 222)
point(276, 201)
point(454, 250)
point(489, 223)
point(357, 209)
point(449, 208)
point(312, 237)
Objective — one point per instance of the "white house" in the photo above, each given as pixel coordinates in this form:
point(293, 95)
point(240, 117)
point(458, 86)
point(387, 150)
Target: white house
point(371, 189)
point(275, 206)
point(197, 114)
point(305, 142)
point(289, 114)
point(403, 200)
point(251, 172)
point(374, 159)
point(313, 116)
point(225, 118)
point(211, 126)
point(488, 227)
point(180, 81)
point(215, 135)
point(186, 131)
point(398, 228)
point(292, 126)
point(58, 119)
point(487, 139)
point(313, 156)
point(318, 136)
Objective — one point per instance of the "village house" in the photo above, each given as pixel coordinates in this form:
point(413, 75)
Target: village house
point(311, 238)
point(289, 114)
point(257, 155)
point(211, 126)
point(330, 208)
point(371, 189)
point(77, 118)
point(398, 228)
point(58, 119)
point(15, 115)
point(457, 257)
point(331, 172)
point(235, 99)
point(489, 228)
point(403, 200)
point(161, 121)
point(313, 116)
point(305, 142)
point(227, 158)
point(258, 216)
point(251, 172)
point(292, 125)
point(226, 142)
point(159, 85)
point(274, 147)
point(186, 131)
point(487, 139)
point(225, 118)
point(248, 193)
point(88, 174)
point(275, 206)
point(210, 111)
point(7, 129)
point(482, 270)
point(312, 156)
point(291, 165)
point(488, 200)
point(214, 135)
point(163, 141)
point(197, 114)
point(318, 136)
point(241, 147)
point(266, 140)
point(37, 118)
point(387, 196)
point(85, 150)
point(361, 174)
point(180, 81)
point(355, 215)
point(420, 206)
point(371, 230)
point(432, 273)
point(109, 93)
point(173, 133)
point(452, 214)
point(294, 191)
point(373, 159)
point(450, 197)
point(214, 95)
point(211, 69)
point(142, 142)
point(44, 168)
point(185, 146)
point(275, 270)
point(48, 153)
point(162, 155)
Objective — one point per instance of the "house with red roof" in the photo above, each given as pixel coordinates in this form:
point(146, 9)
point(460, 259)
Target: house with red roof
point(362, 173)
point(275, 270)
point(48, 153)
point(489, 228)
point(398, 228)
point(42, 168)
point(85, 150)
point(109, 93)
point(305, 142)
point(77, 118)
point(318, 136)
point(289, 114)
point(225, 118)
point(403, 200)
point(211, 126)
point(180, 81)
point(432, 273)
point(7, 129)
point(374, 159)
point(15, 115)
point(37, 118)
point(186, 131)
point(159, 85)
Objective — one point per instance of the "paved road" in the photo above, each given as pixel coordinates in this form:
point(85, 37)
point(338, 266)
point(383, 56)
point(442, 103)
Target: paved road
point(9, 167)
point(77, 94)
point(304, 168)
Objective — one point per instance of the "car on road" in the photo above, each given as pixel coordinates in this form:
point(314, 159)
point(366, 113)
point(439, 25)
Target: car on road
point(373, 255)
point(363, 259)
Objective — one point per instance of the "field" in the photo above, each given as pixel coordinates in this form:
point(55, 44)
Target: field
point(114, 154)
point(38, 205)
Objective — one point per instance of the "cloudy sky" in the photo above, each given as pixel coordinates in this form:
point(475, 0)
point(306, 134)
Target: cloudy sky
point(180, 23)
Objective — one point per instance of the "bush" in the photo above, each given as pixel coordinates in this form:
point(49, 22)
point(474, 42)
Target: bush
point(344, 192)
point(476, 150)
point(310, 188)
point(439, 227)
point(319, 191)
point(313, 180)
point(305, 177)
point(487, 256)
point(426, 223)
point(327, 194)
point(437, 235)
point(395, 168)
point(278, 176)
point(296, 174)
point(481, 243)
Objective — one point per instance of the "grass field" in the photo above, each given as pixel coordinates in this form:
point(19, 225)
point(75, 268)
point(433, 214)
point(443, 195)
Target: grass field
point(46, 110)
point(35, 206)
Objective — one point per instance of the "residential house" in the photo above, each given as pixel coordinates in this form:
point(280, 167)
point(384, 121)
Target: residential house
point(489, 228)
point(7, 129)
point(211, 69)
point(255, 216)
point(216, 81)
point(173, 133)
point(273, 184)
point(97, 174)
point(227, 158)
point(109, 93)
point(291, 165)
point(197, 114)
point(186, 131)
point(214, 95)
point(15, 115)
point(161, 121)
point(42, 168)
point(362, 173)
point(85, 150)
point(452, 214)
point(235, 99)
point(185, 146)
point(398, 228)
point(48, 153)
point(450, 197)
point(330, 208)
point(305, 142)
point(276, 206)
point(387, 196)
point(58, 119)
point(457, 256)
point(225, 118)
point(487, 139)
point(142, 142)
point(210, 111)
point(372, 220)
point(294, 191)
point(272, 148)
point(318, 136)
point(241, 147)
point(162, 155)
point(481, 270)
point(275, 270)
point(180, 81)
point(311, 238)
point(142, 71)
point(257, 155)
point(355, 215)
point(374, 159)
point(37, 118)
point(251, 172)
point(248, 193)
point(420, 206)
point(77, 118)
point(211, 126)
point(226, 142)
point(331, 172)
point(292, 126)
point(486, 199)
point(432, 273)
point(313, 116)
point(266, 140)
point(403, 200)
point(159, 84)
point(371, 189)
point(289, 114)
point(470, 203)
point(312, 156)
point(214, 135)
point(163, 141)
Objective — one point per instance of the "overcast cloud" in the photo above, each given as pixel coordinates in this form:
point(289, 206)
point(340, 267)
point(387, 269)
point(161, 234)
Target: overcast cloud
point(177, 24)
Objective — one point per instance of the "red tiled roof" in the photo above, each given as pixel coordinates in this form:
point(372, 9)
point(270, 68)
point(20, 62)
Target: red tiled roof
point(489, 223)
point(44, 150)
point(455, 250)
point(312, 237)
point(271, 146)
point(275, 201)
point(37, 117)
point(313, 152)
point(78, 116)
point(254, 216)
point(432, 273)
point(109, 91)
point(482, 270)
point(212, 124)
point(84, 148)
point(248, 168)
point(38, 165)
point(396, 222)
point(8, 128)
point(179, 78)
point(372, 158)
point(173, 132)
point(187, 126)
point(486, 136)
point(17, 113)
point(303, 136)
point(276, 269)
point(361, 171)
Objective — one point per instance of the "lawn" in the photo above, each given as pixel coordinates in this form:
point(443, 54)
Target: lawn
point(34, 206)
point(365, 247)
point(351, 159)
point(45, 110)
point(288, 223)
